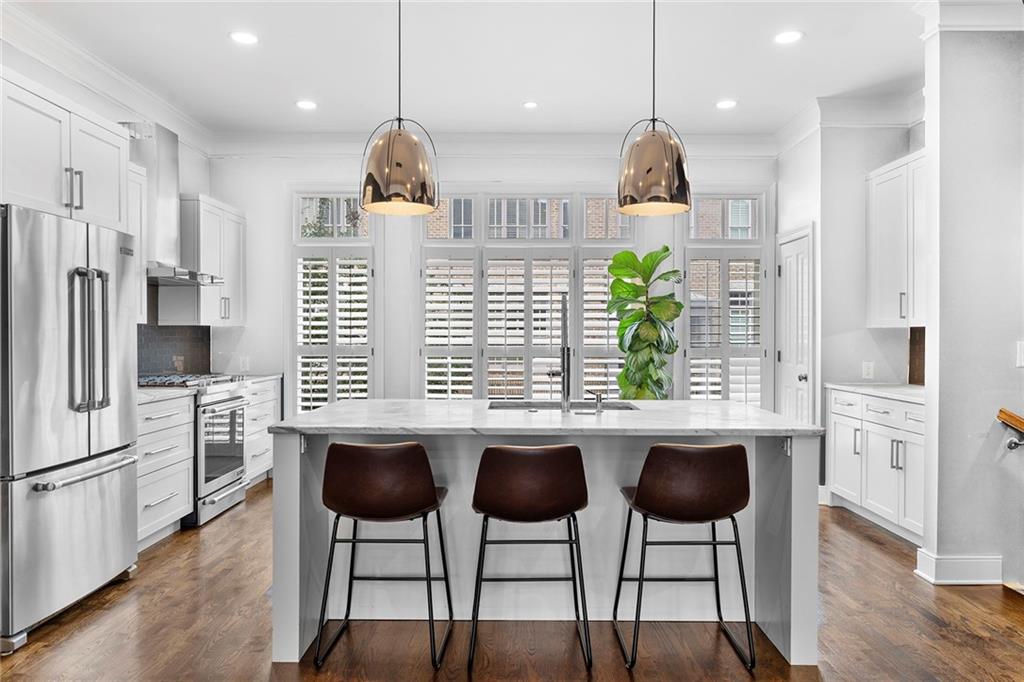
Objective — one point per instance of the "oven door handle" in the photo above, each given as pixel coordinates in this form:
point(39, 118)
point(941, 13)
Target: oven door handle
point(226, 493)
point(224, 407)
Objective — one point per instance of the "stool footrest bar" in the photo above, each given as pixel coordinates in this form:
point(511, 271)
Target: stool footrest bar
point(669, 579)
point(530, 542)
point(395, 578)
point(689, 543)
point(527, 579)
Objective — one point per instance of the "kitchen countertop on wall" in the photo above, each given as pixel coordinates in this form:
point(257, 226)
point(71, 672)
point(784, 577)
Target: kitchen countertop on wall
point(910, 393)
point(152, 394)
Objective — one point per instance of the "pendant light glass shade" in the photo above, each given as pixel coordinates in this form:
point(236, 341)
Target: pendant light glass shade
point(398, 171)
point(653, 177)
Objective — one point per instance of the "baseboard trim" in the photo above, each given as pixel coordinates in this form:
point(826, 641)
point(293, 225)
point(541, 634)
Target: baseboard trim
point(158, 535)
point(897, 530)
point(959, 569)
point(824, 498)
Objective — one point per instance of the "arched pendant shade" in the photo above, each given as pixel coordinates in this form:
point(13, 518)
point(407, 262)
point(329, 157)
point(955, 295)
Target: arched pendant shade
point(398, 176)
point(653, 177)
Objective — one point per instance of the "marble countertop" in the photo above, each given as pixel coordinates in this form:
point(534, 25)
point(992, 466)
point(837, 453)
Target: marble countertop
point(910, 393)
point(467, 417)
point(152, 394)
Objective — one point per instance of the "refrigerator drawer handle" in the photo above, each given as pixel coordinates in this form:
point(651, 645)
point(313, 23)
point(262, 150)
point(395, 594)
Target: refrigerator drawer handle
point(163, 499)
point(162, 415)
point(226, 493)
point(50, 486)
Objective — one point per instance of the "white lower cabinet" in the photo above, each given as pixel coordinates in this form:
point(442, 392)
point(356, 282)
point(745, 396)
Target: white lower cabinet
point(264, 409)
point(165, 496)
point(166, 470)
point(876, 458)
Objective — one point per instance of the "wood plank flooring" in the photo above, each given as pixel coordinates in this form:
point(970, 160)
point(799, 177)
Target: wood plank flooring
point(199, 609)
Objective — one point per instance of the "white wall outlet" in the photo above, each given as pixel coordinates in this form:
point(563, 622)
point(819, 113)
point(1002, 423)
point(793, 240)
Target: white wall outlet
point(867, 370)
point(1020, 354)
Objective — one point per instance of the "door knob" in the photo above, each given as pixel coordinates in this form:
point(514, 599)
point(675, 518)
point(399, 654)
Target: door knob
point(801, 377)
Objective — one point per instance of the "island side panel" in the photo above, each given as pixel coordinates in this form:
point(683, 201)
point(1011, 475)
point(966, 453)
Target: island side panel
point(288, 642)
point(787, 545)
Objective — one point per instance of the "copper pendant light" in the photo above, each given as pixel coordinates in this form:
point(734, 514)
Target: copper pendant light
point(653, 177)
point(398, 170)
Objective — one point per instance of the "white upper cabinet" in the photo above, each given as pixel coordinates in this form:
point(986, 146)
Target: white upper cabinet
point(213, 243)
point(36, 142)
point(896, 244)
point(62, 162)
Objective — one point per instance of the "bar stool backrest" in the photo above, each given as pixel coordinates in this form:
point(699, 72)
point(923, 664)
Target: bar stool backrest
point(388, 482)
point(530, 484)
point(694, 483)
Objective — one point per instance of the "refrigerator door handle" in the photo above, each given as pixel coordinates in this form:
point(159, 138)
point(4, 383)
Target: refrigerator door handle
point(90, 338)
point(50, 486)
point(78, 343)
point(104, 278)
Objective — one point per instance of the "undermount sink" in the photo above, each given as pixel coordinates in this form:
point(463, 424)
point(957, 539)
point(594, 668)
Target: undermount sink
point(586, 405)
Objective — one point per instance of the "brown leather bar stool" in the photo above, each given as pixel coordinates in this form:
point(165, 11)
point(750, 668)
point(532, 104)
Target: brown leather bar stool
point(688, 484)
point(383, 483)
point(533, 485)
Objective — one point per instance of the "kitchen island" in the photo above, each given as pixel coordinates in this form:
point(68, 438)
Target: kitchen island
point(779, 528)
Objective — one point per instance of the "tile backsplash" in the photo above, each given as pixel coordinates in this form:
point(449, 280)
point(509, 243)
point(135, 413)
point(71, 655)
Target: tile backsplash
point(171, 349)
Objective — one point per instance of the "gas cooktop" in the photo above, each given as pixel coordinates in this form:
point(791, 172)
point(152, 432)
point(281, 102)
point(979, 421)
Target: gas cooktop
point(188, 380)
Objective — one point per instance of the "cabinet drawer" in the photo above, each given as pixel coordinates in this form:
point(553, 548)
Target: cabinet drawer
point(259, 455)
point(259, 417)
point(885, 411)
point(846, 403)
point(165, 496)
point(912, 417)
point(165, 414)
point(165, 447)
point(262, 392)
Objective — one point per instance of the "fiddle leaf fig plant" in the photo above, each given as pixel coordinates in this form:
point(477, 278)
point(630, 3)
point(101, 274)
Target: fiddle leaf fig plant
point(645, 322)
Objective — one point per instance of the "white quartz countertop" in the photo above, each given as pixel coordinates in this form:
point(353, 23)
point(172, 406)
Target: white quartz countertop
point(653, 418)
point(907, 392)
point(152, 394)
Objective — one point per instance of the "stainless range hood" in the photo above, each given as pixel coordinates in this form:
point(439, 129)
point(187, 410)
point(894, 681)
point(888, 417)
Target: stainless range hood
point(156, 148)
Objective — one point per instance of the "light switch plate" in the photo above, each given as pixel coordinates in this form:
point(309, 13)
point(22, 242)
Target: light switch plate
point(867, 370)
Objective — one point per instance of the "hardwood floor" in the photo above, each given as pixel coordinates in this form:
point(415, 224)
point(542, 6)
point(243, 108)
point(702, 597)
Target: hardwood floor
point(199, 609)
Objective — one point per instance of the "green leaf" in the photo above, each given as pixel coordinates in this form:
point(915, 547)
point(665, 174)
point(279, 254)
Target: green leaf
point(651, 262)
point(666, 309)
point(625, 264)
point(620, 306)
point(675, 276)
point(627, 392)
point(648, 331)
point(632, 318)
point(627, 332)
point(620, 288)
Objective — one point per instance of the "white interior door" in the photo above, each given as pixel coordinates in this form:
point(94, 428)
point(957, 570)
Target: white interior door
point(795, 325)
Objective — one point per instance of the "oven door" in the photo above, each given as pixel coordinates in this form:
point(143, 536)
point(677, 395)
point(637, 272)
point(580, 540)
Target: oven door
point(220, 445)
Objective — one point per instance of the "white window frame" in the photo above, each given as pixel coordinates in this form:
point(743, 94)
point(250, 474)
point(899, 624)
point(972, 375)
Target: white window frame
point(299, 240)
point(758, 226)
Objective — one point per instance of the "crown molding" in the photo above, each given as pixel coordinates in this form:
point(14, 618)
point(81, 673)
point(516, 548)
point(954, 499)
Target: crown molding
point(957, 15)
point(799, 128)
point(890, 111)
point(24, 32)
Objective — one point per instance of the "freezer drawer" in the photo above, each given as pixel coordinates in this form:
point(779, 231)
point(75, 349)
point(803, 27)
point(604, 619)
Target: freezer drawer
point(65, 533)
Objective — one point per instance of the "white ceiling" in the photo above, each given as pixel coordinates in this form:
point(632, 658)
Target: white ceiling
point(469, 66)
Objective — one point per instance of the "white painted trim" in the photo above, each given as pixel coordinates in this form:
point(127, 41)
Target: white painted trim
point(959, 569)
point(824, 497)
point(910, 536)
point(893, 111)
point(981, 15)
point(799, 128)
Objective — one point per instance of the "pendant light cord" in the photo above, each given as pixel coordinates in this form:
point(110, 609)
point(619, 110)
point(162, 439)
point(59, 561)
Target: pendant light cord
point(654, 54)
point(399, 63)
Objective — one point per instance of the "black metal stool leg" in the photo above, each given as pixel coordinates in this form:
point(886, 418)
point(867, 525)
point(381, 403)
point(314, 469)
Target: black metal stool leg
point(572, 569)
point(588, 652)
point(318, 658)
point(618, 587)
point(631, 658)
point(714, 564)
point(435, 657)
point(749, 658)
point(476, 594)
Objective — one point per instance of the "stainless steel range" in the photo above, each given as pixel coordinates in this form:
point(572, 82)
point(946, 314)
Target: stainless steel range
point(220, 439)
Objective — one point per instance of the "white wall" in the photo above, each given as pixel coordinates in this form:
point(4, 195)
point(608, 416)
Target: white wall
point(261, 176)
point(193, 170)
point(975, 89)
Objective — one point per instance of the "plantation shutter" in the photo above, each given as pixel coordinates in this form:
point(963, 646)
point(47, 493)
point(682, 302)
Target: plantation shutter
point(448, 286)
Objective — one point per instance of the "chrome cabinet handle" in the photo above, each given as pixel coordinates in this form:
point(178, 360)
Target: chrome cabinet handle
point(227, 315)
point(911, 417)
point(875, 410)
point(892, 455)
point(260, 454)
point(163, 499)
point(81, 190)
point(69, 188)
point(903, 297)
point(162, 415)
point(159, 450)
point(844, 403)
point(856, 441)
point(50, 486)
point(899, 467)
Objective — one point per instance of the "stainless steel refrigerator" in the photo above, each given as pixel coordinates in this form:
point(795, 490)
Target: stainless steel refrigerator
point(68, 414)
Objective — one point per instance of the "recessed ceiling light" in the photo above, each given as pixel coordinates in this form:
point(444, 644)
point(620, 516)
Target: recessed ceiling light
point(529, 105)
point(787, 37)
point(244, 37)
point(306, 104)
point(726, 104)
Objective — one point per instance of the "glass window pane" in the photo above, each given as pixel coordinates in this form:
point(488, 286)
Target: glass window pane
point(448, 378)
point(599, 326)
point(602, 219)
point(546, 387)
point(600, 374)
point(352, 377)
point(745, 302)
point(706, 221)
point(550, 281)
point(352, 301)
point(506, 378)
point(704, 275)
point(506, 309)
point(313, 304)
point(448, 302)
point(438, 221)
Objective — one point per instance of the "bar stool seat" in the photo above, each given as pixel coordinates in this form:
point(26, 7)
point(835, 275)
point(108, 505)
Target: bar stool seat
point(533, 485)
point(686, 484)
point(385, 483)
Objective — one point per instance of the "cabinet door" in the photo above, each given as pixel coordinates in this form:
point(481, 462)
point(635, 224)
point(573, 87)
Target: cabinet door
point(35, 136)
point(887, 249)
point(911, 469)
point(232, 254)
point(880, 477)
point(844, 441)
point(210, 261)
point(100, 159)
point(917, 236)
point(136, 226)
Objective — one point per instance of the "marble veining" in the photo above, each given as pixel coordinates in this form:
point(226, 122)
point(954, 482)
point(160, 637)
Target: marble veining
point(466, 417)
point(910, 393)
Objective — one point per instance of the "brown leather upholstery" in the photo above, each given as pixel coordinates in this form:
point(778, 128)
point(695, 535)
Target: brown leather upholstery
point(530, 484)
point(691, 483)
point(390, 482)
